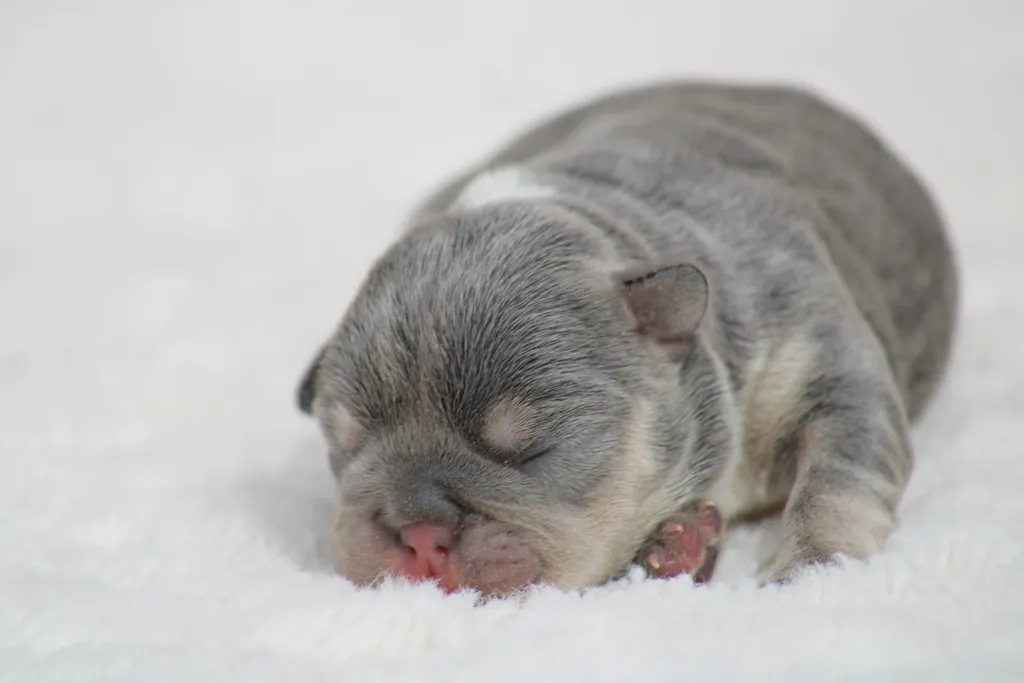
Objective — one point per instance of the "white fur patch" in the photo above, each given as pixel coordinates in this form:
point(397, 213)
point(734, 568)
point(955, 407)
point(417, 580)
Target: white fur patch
point(778, 379)
point(502, 184)
point(618, 511)
point(775, 389)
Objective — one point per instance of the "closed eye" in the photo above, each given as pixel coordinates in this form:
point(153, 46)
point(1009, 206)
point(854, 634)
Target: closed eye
point(535, 455)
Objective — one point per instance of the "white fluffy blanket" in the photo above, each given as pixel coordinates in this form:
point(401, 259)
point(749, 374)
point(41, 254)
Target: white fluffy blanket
point(189, 193)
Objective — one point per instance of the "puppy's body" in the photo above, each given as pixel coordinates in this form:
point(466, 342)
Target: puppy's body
point(678, 292)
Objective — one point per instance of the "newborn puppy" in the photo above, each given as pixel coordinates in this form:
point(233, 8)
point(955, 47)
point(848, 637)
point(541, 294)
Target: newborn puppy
point(669, 307)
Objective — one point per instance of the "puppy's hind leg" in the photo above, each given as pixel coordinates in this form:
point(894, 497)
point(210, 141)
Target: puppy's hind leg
point(852, 459)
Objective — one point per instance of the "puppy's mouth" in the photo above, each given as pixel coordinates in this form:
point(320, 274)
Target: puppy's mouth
point(484, 556)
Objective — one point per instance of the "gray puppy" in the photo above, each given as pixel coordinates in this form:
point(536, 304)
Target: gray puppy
point(669, 307)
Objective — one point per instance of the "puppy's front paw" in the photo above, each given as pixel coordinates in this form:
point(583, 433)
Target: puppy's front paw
point(686, 543)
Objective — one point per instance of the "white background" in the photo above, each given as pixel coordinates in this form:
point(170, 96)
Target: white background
point(190, 192)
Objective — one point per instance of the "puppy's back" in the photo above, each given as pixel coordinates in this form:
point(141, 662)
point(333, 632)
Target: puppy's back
point(880, 227)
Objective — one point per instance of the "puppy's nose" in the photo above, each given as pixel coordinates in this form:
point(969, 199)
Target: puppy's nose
point(429, 541)
point(425, 554)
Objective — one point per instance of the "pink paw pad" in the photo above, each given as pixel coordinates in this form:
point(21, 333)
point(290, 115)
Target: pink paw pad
point(686, 543)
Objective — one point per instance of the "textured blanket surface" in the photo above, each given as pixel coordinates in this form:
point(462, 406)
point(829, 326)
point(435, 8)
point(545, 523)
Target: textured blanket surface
point(189, 194)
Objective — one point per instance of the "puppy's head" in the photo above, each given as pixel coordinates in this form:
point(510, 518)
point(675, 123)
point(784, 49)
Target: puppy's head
point(500, 411)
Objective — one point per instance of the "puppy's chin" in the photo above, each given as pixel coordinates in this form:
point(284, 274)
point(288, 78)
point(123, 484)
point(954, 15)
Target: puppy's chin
point(587, 565)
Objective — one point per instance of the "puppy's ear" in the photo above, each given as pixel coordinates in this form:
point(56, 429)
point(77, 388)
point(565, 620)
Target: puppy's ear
point(666, 303)
point(307, 387)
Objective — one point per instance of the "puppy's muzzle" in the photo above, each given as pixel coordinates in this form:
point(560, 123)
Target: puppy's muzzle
point(486, 556)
